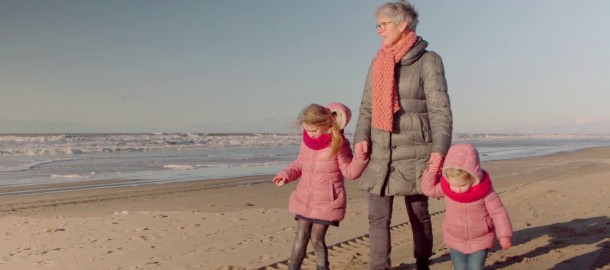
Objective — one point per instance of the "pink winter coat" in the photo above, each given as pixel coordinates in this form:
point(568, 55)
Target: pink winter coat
point(320, 193)
point(469, 226)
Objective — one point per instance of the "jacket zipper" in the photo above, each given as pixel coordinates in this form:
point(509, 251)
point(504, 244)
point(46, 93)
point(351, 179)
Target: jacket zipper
point(311, 170)
point(465, 223)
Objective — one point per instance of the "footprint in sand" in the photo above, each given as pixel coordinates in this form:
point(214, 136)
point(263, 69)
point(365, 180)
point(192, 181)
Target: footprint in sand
point(269, 256)
point(287, 229)
point(45, 263)
point(56, 230)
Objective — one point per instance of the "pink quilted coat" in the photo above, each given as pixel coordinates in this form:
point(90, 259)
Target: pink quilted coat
point(469, 227)
point(320, 193)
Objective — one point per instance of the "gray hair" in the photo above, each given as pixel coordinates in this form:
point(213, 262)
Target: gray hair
point(400, 11)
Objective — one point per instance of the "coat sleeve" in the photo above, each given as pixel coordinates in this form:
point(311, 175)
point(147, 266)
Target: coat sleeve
point(351, 167)
point(499, 215)
point(437, 101)
point(363, 126)
point(293, 170)
point(430, 185)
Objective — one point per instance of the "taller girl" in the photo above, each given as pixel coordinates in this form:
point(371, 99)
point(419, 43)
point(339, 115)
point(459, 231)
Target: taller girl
point(324, 159)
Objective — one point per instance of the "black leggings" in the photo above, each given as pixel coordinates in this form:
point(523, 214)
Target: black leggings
point(306, 231)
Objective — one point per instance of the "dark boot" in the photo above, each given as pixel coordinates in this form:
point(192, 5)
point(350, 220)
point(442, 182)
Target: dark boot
point(321, 267)
point(422, 264)
point(293, 267)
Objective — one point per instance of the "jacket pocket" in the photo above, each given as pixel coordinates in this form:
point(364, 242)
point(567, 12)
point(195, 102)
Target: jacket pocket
point(481, 228)
point(417, 129)
point(426, 136)
point(426, 133)
point(367, 179)
point(339, 200)
point(332, 191)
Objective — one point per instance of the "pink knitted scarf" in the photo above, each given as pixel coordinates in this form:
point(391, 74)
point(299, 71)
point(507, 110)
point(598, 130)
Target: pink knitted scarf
point(385, 97)
point(317, 143)
point(473, 194)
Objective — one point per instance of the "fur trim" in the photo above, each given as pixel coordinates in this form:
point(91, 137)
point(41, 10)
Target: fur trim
point(342, 114)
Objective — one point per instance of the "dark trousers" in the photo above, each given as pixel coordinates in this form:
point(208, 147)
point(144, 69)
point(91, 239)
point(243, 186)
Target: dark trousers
point(380, 217)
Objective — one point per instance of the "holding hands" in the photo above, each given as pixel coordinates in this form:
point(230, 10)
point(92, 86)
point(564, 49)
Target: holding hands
point(362, 150)
point(436, 162)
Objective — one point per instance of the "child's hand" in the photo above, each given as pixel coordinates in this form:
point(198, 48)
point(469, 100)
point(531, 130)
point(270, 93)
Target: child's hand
point(280, 179)
point(362, 157)
point(362, 151)
point(436, 162)
point(506, 242)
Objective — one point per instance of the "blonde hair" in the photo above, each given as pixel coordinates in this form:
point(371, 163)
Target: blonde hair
point(455, 172)
point(320, 116)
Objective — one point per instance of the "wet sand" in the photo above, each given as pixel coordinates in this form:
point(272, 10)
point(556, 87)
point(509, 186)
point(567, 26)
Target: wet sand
point(559, 206)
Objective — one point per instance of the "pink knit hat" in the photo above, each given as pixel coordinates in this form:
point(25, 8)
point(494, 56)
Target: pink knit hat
point(341, 113)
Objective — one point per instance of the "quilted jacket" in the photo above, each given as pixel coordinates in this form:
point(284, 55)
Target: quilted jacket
point(422, 125)
point(473, 226)
point(320, 193)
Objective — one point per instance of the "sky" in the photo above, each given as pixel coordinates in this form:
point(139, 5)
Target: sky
point(251, 66)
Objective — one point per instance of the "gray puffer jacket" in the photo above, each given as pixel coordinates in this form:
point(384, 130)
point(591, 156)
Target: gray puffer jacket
point(422, 125)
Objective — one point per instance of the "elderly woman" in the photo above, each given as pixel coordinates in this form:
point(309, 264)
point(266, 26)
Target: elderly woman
point(405, 125)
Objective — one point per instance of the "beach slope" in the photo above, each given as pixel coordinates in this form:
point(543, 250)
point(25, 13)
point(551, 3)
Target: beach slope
point(559, 206)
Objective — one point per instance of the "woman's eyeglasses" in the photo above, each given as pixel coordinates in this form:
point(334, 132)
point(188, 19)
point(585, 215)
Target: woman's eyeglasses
point(382, 25)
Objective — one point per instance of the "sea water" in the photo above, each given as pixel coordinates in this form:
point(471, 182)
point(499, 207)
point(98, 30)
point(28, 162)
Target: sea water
point(33, 159)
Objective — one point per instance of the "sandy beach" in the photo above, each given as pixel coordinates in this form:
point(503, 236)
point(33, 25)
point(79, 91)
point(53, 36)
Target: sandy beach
point(559, 207)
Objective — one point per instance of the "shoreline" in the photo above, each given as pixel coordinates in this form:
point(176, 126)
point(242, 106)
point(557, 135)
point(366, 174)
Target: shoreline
point(114, 184)
point(40, 189)
point(558, 205)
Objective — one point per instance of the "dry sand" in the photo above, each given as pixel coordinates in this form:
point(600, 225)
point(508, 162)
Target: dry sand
point(559, 206)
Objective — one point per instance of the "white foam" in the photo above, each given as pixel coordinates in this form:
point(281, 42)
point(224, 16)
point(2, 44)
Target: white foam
point(178, 167)
point(167, 157)
point(66, 176)
point(75, 144)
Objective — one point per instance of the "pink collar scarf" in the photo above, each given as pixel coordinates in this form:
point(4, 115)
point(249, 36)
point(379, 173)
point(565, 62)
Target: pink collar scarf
point(473, 194)
point(317, 143)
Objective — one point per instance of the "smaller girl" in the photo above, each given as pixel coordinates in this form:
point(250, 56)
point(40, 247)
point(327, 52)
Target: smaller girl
point(324, 158)
point(473, 209)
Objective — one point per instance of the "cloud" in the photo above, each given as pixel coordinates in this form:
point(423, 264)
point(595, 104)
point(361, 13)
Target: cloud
point(588, 121)
point(576, 126)
point(130, 98)
point(41, 126)
point(58, 126)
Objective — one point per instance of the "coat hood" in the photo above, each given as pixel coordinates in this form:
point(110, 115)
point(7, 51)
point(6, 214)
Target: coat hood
point(465, 157)
point(341, 113)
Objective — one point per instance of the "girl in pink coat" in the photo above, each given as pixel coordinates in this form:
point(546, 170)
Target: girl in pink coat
point(324, 159)
point(474, 214)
